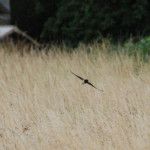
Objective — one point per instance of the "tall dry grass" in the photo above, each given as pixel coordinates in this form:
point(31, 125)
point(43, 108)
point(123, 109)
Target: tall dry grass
point(44, 107)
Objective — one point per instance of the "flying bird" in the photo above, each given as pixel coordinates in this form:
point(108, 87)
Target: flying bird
point(85, 81)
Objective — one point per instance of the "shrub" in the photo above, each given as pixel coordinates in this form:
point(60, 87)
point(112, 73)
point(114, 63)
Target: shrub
point(142, 48)
point(81, 21)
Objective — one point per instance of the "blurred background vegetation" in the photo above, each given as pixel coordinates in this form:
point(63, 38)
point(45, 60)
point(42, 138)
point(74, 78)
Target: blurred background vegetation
point(75, 21)
point(81, 21)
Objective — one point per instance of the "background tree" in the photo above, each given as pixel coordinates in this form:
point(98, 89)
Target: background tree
point(81, 21)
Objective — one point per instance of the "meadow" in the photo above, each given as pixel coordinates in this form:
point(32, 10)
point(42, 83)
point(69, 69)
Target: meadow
point(44, 107)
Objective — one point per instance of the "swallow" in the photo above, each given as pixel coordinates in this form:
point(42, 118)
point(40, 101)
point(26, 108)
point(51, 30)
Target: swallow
point(85, 81)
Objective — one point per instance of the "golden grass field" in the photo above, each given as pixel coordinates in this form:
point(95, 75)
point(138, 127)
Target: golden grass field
point(44, 107)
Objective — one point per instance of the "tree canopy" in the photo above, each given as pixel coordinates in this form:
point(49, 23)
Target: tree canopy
point(75, 21)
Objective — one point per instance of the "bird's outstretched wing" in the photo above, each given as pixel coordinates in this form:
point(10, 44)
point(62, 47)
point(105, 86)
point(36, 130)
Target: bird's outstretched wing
point(93, 86)
point(77, 75)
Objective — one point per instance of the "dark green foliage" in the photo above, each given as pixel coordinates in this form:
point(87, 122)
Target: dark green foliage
point(23, 15)
point(75, 21)
point(141, 48)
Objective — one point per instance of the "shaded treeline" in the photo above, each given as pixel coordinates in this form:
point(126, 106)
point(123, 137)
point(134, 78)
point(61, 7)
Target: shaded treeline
point(81, 21)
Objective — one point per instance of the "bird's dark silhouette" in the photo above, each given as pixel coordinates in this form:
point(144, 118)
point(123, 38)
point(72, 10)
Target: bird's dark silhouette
point(85, 81)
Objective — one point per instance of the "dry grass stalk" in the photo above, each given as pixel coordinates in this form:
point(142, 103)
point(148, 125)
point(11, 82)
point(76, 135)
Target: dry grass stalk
point(43, 106)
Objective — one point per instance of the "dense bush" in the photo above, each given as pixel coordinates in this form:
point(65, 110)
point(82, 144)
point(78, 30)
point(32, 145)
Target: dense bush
point(74, 21)
point(24, 16)
point(141, 48)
